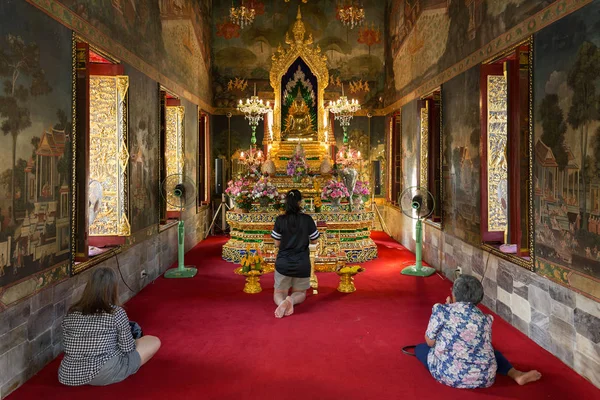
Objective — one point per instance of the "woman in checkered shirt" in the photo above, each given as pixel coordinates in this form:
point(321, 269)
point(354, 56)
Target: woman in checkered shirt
point(99, 346)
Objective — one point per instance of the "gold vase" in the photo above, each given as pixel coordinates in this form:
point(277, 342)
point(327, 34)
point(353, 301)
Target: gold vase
point(252, 285)
point(346, 283)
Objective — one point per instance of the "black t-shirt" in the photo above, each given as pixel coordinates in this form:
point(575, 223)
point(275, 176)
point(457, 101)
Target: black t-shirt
point(294, 233)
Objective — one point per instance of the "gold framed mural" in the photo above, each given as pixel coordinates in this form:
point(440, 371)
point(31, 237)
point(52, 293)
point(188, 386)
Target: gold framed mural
point(108, 150)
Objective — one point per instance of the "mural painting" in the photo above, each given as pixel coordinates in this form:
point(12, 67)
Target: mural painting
point(36, 124)
point(171, 35)
point(460, 157)
point(567, 149)
point(143, 150)
point(420, 30)
point(242, 57)
point(410, 149)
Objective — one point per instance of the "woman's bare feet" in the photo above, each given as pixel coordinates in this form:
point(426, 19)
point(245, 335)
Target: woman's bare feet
point(290, 309)
point(284, 307)
point(523, 378)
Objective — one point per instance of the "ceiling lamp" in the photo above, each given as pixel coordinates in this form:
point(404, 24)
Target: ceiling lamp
point(344, 110)
point(242, 15)
point(350, 13)
point(253, 109)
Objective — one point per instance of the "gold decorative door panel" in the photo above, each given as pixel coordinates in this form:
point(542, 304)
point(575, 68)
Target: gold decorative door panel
point(108, 156)
point(174, 150)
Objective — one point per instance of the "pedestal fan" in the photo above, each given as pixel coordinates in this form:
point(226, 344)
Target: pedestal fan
point(417, 203)
point(179, 192)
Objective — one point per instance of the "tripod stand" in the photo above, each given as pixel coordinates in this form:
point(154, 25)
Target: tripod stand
point(223, 207)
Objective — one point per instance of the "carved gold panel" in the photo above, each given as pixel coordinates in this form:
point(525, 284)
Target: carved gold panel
point(174, 150)
point(108, 153)
point(497, 163)
point(424, 146)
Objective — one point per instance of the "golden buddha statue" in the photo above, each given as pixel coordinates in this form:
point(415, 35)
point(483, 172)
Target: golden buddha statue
point(298, 121)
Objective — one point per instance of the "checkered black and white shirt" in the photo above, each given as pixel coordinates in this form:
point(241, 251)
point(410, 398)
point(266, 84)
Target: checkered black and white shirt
point(90, 341)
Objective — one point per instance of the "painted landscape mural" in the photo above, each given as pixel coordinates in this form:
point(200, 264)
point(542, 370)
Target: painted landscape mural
point(173, 36)
point(420, 31)
point(242, 57)
point(35, 161)
point(460, 157)
point(567, 150)
point(143, 150)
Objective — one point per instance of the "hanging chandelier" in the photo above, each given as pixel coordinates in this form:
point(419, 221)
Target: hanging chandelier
point(242, 15)
point(253, 109)
point(343, 110)
point(350, 13)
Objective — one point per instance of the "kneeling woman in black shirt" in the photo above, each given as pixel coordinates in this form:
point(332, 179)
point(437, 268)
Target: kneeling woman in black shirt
point(292, 234)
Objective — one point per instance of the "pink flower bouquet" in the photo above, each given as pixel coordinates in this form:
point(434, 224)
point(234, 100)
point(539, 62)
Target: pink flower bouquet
point(334, 190)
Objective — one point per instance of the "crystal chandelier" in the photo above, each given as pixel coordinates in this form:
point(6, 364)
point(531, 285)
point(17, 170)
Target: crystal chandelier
point(350, 13)
point(252, 158)
point(344, 110)
point(253, 109)
point(242, 15)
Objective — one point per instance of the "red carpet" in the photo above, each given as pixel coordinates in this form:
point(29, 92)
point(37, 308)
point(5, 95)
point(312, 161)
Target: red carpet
point(219, 343)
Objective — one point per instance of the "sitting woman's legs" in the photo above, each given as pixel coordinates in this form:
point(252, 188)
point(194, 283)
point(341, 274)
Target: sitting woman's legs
point(421, 351)
point(298, 296)
point(279, 296)
point(505, 368)
point(147, 347)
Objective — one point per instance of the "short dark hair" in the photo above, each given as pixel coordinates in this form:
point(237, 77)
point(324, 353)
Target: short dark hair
point(100, 294)
point(467, 289)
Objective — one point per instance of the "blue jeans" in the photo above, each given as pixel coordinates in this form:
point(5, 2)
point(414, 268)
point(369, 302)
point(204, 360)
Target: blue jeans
point(422, 350)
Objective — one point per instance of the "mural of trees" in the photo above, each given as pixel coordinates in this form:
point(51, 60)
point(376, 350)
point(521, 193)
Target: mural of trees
point(23, 77)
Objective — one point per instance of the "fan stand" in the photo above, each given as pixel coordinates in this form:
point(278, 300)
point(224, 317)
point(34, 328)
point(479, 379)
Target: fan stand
point(181, 271)
point(418, 269)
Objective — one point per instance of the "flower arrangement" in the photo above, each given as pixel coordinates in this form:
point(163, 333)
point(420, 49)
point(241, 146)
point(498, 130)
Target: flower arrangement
point(239, 191)
point(297, 166)
point(252, 262)
point(264, 189)
point(334, 190)
point(317, 203)
point(361, 189)
point(351, 270)
point(347, 157)
point(279, 202)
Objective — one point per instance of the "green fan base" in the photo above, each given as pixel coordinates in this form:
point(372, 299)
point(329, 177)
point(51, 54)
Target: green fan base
point(413, 270)
point(187, 272)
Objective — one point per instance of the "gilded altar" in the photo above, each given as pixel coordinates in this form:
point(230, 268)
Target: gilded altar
point(299, 76)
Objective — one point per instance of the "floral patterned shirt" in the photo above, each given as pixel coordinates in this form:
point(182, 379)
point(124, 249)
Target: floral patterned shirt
point(463, 356)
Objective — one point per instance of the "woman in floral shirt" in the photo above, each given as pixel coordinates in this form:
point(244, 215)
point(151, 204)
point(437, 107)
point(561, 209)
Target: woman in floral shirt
point(459, 351)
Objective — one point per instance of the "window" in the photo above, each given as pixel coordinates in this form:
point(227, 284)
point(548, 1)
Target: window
point(505, 156)
point(172, 130)
point(395, 141)
point(430, 149)
point(102, 201)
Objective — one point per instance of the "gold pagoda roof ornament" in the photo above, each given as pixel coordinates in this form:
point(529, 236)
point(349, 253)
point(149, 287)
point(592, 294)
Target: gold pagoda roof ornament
point(300, 46)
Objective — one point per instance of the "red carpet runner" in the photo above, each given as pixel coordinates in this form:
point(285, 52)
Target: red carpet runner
point(219, 343)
